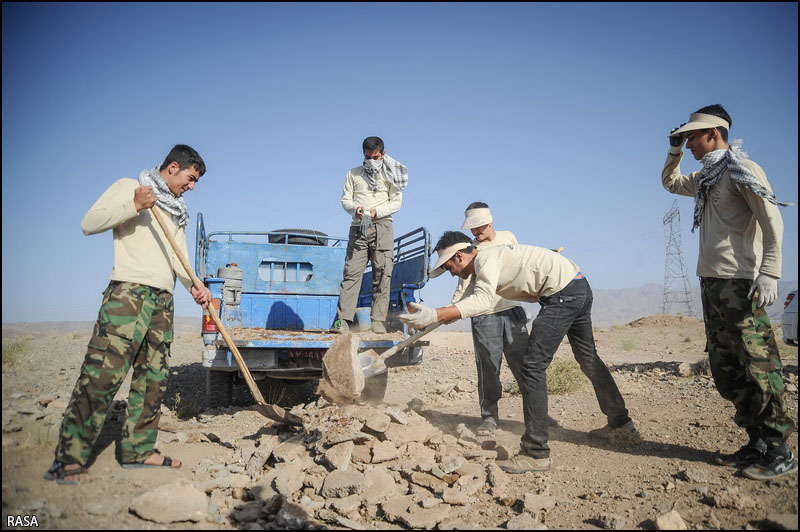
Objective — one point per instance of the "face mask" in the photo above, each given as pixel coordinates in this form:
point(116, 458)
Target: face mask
point(372, 165)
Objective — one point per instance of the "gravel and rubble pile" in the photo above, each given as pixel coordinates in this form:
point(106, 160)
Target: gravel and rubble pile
point(354, 465)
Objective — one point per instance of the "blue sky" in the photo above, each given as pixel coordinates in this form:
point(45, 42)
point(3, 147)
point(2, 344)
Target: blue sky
point(556, 115)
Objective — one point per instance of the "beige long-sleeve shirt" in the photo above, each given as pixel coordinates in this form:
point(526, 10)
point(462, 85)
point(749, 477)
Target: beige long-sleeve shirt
point(740, 232)
point(386, 200)
point(466, 287)
point(142, 253)
point(516, 272)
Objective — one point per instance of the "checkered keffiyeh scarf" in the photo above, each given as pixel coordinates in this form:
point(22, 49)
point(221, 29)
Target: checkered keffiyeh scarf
point(397, 173)
point(714, 165)
point(164, 196)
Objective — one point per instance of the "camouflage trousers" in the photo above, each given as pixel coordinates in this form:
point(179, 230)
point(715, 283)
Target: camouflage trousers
point(134, 328)
point(744, 359)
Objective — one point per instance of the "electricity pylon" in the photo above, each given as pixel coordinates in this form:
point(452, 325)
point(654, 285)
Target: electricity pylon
point(677, 295)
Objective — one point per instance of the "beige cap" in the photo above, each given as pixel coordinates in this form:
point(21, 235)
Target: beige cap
point(445, 255)
point(701, 121)
point(477, 217)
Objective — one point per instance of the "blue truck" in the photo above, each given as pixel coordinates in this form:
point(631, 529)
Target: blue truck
point(277, 294)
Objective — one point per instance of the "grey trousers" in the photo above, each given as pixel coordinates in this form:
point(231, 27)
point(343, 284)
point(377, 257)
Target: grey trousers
point(493, 335)
point(376, 246)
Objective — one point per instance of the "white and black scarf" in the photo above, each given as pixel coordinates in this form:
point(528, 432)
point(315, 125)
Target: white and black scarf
point(714, 165)
point(164, 196)
point(396, 172)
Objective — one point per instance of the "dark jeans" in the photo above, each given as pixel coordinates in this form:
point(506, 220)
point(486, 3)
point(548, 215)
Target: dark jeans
point(567, 312)
point(493, 335)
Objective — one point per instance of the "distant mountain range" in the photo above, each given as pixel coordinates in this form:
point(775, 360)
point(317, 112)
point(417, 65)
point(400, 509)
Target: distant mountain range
point(611, 307)
point(618, 307)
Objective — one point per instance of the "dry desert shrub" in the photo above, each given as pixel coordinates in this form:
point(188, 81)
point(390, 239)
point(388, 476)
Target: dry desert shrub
point(564, 376)
point(13, 349)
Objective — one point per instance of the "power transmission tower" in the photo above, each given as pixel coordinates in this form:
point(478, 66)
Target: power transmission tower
point(677, 295)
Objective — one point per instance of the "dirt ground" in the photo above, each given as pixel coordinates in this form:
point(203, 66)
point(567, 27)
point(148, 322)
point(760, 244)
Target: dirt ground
point(682, 419)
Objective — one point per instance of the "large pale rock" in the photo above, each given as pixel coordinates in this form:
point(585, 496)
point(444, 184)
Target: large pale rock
point(342, 483)
point(339, 455)
point(289, 479)
point(289, 450)
point(379, 485)
point(171, 503)
point(427, 481)
point(524, 521)
point(671, 520)
point(384, 451)
point(378, 422)
point(346, 505)
point(535, 502)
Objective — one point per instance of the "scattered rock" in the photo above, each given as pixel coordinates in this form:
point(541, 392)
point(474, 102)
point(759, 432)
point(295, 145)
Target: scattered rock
point(671, 520)
point(171, 503)
point(342, 483)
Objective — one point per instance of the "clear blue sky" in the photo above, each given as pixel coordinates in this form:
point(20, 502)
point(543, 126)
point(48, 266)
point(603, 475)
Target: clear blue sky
point(556, 115)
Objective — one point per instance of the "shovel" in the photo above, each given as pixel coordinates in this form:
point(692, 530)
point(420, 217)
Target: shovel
point(272, 412)
point(373, 363)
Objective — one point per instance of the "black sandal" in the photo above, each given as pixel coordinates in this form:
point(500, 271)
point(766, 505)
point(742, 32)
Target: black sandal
point(487, 427)
point(61, 475)
point(141, 465)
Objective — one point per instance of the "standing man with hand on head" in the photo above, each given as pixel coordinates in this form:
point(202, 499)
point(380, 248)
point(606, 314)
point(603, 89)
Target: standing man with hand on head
point(739, 266)
point(134, 325)
point(501, 329)
point(372, 193)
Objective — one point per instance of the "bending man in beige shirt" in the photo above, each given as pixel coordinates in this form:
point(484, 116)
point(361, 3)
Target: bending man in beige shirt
point(134, 325)
point(739, 265)
point(532, 274)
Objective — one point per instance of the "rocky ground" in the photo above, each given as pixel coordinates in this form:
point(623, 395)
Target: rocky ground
point(411, 462)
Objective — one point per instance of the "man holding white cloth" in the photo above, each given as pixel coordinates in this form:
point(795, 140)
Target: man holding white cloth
point(372, 193)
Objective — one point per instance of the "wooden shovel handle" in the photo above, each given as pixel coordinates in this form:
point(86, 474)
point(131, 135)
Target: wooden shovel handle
point(251, 384)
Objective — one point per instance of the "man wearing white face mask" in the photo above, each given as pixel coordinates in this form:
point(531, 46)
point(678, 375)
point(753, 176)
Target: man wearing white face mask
point(739, 266)
point(372, 193)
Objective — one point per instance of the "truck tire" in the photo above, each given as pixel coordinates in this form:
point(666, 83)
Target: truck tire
point(287, 393)
point(219, 388)
point(303, 240)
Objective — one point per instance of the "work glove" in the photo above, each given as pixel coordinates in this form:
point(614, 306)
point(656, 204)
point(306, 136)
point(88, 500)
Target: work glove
point(767, 290)
point(676, 141)
point(421, 318)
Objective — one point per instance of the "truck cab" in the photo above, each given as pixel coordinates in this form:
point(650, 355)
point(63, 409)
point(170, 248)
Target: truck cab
point(277, 294)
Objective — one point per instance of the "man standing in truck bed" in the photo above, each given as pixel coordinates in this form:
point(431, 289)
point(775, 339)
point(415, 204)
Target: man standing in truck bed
point(372, 193)
point(134, 325)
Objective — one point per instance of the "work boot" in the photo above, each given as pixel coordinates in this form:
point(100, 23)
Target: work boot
point(522, 463)
point(340, 326)
point(378, 327)
point(748, 455)
point(776, 462)
point(625, 433)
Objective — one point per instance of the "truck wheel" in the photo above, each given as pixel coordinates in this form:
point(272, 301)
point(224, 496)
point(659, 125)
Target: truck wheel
point(219, 388)
point(304, 240)
point(287, 393)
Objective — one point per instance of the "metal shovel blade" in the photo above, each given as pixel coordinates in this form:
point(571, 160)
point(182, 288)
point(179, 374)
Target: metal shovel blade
point(278, 414)
point(372, 363)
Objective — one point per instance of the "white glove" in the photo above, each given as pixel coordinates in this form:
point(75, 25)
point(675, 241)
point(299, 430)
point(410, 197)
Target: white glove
point(420, 319)
point(767, 290)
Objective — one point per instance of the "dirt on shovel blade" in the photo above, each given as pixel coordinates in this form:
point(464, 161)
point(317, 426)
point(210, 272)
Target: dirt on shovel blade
point(342, 377)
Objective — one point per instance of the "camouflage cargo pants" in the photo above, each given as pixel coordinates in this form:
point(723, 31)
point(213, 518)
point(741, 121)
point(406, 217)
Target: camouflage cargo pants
point(133, 328)
point(744, 358)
